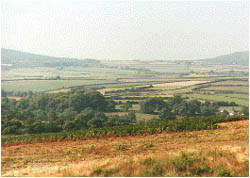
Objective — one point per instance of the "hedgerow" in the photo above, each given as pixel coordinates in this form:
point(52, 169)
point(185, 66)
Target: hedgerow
point(154, 127)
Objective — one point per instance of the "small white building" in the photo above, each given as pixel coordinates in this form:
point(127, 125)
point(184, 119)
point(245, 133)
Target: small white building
point(230, 112)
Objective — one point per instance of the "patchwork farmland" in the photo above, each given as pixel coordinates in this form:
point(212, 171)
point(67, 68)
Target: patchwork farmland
point(154, 118)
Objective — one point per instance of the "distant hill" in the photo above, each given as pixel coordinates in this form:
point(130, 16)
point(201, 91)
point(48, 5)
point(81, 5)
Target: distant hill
point(238, 58)
point(24, 59)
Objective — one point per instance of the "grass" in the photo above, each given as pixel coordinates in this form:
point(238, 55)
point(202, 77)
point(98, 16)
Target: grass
point(236, 108)
point(146, 79)
point(232, 82)
point(218, 97)
point(45, 85)
point(220, 152)
point(145, 117)
point(237, 95)
point(236, 89)
point(185, 165)
point(170, 68)
point(178, 84)
point(63, 72)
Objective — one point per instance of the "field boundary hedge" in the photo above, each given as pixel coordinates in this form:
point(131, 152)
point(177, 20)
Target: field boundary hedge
point(154, 127)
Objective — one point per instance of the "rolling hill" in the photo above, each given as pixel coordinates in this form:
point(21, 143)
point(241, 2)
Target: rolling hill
point(24, 59)
point(238, 58)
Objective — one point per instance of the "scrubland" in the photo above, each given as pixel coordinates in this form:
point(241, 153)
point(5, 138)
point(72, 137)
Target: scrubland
point(220, 152)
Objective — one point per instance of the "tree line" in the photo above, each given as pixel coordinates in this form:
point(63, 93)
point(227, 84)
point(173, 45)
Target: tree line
point(179, 107)
point(86, 108)
point(81, 109)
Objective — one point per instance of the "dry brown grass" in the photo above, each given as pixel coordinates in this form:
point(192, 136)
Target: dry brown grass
point(225, 150)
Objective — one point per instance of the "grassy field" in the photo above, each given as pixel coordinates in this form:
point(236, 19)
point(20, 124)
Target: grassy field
point(220, 152)
point(113, 79)
point(175, 85)
point(232, 83)
point(237, 95)
point(46, 72)
point(139, 116)
point(236, 108)
point(163, 79)
point(235, 88)
point(45, 85)
point(218, 97)
point(170, 68)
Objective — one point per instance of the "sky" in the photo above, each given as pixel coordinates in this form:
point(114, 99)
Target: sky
point(125, 30)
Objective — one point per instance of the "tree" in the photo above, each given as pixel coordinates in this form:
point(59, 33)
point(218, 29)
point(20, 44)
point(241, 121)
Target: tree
point(88, 113)
point(132, 116)
point(175, 100)
point(181, 109)
point(101, 116)
point(40, 115)
point(52, 127)
point(22, 104)
point(10, 130)
point(96, 101)
point(67, 114)
point(110, 105)
point(37, 127)
point(194, 107)
point(245, 111)
point(52, 115)
point(3, 93)
point(113, 121)
point(151, 105)
point(82, 119)
point(126, 106)
point(95, 123)
point(70, 125)
point(41, 102)
point(208, 110)
point(166, 114)
point(78, 101)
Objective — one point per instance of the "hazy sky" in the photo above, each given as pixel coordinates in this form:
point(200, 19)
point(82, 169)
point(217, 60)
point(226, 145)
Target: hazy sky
point(125, 30)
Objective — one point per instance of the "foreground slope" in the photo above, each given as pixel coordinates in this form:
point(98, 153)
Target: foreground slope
point(220, 152)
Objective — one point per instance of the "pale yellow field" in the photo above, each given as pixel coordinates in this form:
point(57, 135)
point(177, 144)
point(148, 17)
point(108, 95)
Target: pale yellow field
point(178, 84)
point(169, 85)
point(148, 80)
point(102, 91)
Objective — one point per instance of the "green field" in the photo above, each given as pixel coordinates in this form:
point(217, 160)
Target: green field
point(218, 97)
point(236, 108)
point(232, 82)
point(45, 72)
point(112, 76)
point(235, 89)
point(46, 85)
point(237, 95)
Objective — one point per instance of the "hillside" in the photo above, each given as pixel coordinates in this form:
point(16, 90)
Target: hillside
point(207, 153)
point(238, 58)
point(24, 59)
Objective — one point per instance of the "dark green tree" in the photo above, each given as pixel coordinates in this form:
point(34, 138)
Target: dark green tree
point(95, 123)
